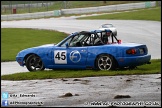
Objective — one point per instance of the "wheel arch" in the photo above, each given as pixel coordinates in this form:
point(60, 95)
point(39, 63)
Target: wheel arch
point(35, 62)
point(116, 63)
point(26, 56)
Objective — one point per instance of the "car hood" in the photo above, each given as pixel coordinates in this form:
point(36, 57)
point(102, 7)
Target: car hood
point(36, 49)
point(46, 45)
point(42, 47)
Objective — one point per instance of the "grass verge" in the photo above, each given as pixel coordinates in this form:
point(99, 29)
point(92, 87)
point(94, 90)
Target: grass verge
point(153, 14)
point(153, 68)
point(14, 40)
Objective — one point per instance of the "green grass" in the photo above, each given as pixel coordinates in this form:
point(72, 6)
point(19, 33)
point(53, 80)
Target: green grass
point(153, 14)
point(15, 39)
point(153, 68)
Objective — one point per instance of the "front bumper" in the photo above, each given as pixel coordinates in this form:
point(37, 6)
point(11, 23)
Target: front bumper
point(20, 61)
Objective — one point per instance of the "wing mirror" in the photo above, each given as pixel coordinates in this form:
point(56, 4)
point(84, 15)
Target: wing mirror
point(67, 45)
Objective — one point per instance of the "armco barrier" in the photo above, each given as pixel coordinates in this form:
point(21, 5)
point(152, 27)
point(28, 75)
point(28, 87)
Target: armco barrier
point(27, 15)
point(26, 5)
point(80, 11)
point(57, 12)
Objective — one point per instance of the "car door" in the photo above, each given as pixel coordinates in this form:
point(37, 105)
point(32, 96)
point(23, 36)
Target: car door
point(69, 57)
point(71, 53)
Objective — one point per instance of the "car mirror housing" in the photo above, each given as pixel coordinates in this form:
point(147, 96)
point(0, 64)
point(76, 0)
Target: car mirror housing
point(67, 45)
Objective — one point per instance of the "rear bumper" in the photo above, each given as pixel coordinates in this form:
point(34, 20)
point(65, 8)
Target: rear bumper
point(133, 61)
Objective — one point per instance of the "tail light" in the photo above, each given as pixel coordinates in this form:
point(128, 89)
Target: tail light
point(131, 51)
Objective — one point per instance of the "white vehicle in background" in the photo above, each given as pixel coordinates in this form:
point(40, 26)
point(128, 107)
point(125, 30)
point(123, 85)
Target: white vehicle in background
point(109, 26)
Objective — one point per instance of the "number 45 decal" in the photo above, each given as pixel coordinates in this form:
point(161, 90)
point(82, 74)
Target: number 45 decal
point(60, 57)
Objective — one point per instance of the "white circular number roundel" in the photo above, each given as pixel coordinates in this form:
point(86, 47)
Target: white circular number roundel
point(75, 56)
point(60, 57)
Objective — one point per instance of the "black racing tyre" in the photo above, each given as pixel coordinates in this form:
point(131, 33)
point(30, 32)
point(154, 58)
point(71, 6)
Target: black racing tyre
point(34, 63)
point(105, 62)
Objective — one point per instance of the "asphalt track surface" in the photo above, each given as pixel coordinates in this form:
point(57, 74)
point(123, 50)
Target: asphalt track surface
point(144, 90)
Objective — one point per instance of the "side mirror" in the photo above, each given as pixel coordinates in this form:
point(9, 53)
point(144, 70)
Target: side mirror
point(67, 45)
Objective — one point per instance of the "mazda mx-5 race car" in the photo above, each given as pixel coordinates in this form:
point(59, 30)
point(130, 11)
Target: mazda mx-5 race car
point(97, 49)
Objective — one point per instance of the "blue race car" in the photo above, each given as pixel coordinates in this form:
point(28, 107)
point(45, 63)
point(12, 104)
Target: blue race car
point(97, 49)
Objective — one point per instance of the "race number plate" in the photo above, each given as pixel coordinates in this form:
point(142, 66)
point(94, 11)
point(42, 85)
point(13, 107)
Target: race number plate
point(60, 57)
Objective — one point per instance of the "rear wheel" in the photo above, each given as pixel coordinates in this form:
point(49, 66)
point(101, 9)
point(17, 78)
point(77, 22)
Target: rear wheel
point(34, 63)
point(105, 62)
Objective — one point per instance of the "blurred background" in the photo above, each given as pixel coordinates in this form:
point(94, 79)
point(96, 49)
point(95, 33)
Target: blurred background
point(17, 7)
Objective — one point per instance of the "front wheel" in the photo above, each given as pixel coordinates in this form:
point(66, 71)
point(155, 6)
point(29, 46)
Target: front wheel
point(105, 62)
point(34, 63)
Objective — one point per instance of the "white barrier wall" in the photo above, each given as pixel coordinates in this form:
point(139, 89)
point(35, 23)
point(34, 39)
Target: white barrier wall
point(79, 11)
point(27, 15)
point(27, 5)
